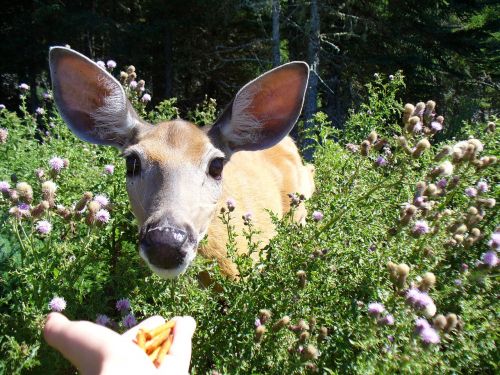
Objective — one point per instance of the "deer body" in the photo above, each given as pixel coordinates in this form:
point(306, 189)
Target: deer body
point(178, 175)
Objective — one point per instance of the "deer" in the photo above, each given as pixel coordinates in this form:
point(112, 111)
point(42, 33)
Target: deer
point(179, 175)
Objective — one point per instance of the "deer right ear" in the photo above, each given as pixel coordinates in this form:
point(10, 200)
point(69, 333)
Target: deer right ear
point(90, 100)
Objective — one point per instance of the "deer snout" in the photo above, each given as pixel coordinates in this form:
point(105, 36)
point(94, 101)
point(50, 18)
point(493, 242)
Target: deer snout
point(164, 246)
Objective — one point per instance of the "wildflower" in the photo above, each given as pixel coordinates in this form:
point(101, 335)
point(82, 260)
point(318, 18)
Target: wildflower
point(421, 324)
point(445, 169)
point(412, 295)
point(471, 192)
point(429, 336)
point(375, 309)
point(457, 282)
point(490, 258)
point(47, 95)
point(430, 310)
point(408, 112)
point(24, 87)
point(102, 320)
point(442, 183)
point(102, 200)
point(247, 217)
point(146, 98)
point(390, 338)
point(80, 205)
point(129, 321)
point(133, 85)
point(482, 187)
point(93, 207)
point(123, 305)
point(420, 227)
point(2, 107)
point(4, 133)
point(264, 315)
point(257, 322)
point(40, 111)
point(24, 209)
point(310, 352)
point(423, 300)
point(39, 173)
point(43, 227)
point(381, 161)
point(317, 215)
point(365, 147)
point(56, 163)
point(439, 322)
point(101, 64)
point(102, 216)
point(57, 304)
point(351, 147)
point(421, 146)
point(231, 204)
point(428, 281)
point(259, 333)
point(436, 126)
point(387, 320)
point(494, 242)
point(111, 64)
point(283, 322)
point(451, 322)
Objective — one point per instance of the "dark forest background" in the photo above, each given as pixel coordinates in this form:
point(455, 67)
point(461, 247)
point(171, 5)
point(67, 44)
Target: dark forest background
point(448, 50)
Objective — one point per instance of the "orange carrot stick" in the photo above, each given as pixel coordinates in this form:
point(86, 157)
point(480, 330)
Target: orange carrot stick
point(156, 341)
point(154, 354)
point(155, 331)
point(141, 338)
point(165, 347)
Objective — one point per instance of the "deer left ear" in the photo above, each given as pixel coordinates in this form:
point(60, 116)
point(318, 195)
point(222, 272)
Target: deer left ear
point(264, 111)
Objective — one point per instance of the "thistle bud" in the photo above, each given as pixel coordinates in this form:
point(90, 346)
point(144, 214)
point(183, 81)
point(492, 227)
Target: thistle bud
point(312, 322)
point(490, 128)
point(25, 192)
point(264, 315)
point(63, 212)
point(80, 205)
point(393, 273)
point(323, 333)
point(419, 109)
point(421, 146)
point(40, 208)
point(302, 325)
point(428, 282)
point(451, 322)
point(259, 333)
point(123, 76)
point(131, 69)
point(460, 229)
point(402, 273)
point(439, 322)
point(283, 322)
point(445, 151)
point(93, 207)
point(302, 278)
point(414, 125)
point(475, 232)
point(365, 148)
point(49, 192)
point(304, 336)
point(408, 112)
point(440, 119)
point(372, 137)
point(13, 196)
point(488, 203)
point(310, 352)
point(431, 190)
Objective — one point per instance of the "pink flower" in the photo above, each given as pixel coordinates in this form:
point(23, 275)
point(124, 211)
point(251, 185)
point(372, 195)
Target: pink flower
point(429, 336)
point(102, 200)
point(102, 216)
point(4, 133)
point(436, 126)
point(129, 321)
point(43, 227)
point(421, 324)
point(102, 320)
point(420, 227)
point(56, 163)
point(133, 85)
point(146, 98)
point(375, 308)
point(57, 304)
point(471, 192)
point(387, 320)
point(494, 243)
point(231, 204)
point(482, 187)
point(317, 215)
point(101, 64)
point(111, 64)
point(40, 111)
point(24, 87)
point(490, 258)
point(381, 161)
point(4, 186)
point(109, 169)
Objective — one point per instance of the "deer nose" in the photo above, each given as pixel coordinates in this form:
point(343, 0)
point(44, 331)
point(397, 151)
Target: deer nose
point(163, 246)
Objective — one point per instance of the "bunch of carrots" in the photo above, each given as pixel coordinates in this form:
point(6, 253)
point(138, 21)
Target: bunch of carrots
point(157, 341)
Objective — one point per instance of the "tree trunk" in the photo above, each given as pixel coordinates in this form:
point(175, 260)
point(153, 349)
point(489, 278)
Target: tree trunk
point(310, 105)
point(276, 33)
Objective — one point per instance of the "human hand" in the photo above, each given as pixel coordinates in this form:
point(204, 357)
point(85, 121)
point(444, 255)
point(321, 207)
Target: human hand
point(95, 349)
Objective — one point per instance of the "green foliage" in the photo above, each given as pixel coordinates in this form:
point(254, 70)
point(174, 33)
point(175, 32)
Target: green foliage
point(324, 273)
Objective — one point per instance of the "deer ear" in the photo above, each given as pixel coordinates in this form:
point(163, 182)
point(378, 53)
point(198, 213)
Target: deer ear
point(264, 111)
point(90, 100)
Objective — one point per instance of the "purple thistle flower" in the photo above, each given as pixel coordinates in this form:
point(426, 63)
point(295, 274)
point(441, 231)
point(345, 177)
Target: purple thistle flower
point(2, 107)
point(123, 305)
point(133, 85)
point(248, 216)
point(412, 295)
point(494, 243)
point(129, 321)
point(471, 192)
point(352, 147)
point(317, 215)
point(111, 64)
point(102, 216)
point(24, 87)
point(375, 308)
point(464, 267)
point(231, 204)
point(418, 127)
point(423, 300)
point(421, 324)
point(442, 183)
point(4, 186)
point(381, 161)
point(257, 322)
point(24, 208)
point(436, 126)
point(43, 227)
point(429, 336)
point(102, 320)
point(47, 96)
point(387, 320)
point(420, 227)
point(390, 338)
point(56, 163)
point(4, 133)
point(457, 282)
point(482, 186)
point(102, 200)
point(490, 258)
point(146, 98)
point(40, 111)
point(109, 169)
point(57, 304)
point(101, 64)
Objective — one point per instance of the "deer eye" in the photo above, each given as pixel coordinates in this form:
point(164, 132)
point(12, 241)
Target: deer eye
point(133, 164)
point(215, 168)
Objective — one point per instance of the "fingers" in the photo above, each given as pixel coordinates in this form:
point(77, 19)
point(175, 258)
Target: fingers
point(82, 343)
point(149, 323)
point(179, 357)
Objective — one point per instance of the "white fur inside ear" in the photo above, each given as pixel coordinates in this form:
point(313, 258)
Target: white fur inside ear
point(244, 128)
point(113, 120)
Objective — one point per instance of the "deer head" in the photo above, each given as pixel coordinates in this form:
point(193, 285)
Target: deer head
point(174, 169)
